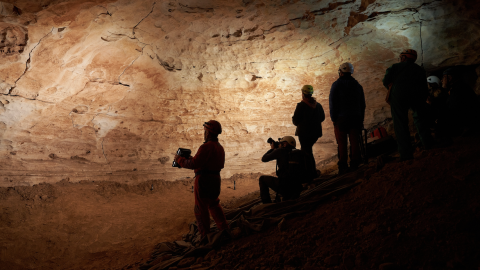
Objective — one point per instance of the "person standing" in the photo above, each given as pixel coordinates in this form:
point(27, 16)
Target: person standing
point(462, 103)
point(347, 111)
point(207, 163)
point(408, 89)
point(308, 118)
point(437, 104)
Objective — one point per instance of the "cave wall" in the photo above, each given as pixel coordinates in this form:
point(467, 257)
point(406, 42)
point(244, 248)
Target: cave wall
point(108, 90)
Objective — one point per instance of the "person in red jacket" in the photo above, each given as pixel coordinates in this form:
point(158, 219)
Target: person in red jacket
point(207, 163)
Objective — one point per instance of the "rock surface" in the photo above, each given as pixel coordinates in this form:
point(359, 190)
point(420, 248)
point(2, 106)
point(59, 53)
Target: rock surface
point(108, 90)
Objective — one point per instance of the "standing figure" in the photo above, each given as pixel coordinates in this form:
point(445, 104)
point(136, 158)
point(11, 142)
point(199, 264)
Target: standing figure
point(308, 118)
point(408, 89)
point(347, 111)
point(207, 163)
point(437, 104)
point(462, 103)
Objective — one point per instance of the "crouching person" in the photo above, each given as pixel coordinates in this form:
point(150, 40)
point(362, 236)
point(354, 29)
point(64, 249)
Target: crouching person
point(292, 170)
point(207, 163)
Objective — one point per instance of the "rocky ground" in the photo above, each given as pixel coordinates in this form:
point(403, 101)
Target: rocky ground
point(419, 214)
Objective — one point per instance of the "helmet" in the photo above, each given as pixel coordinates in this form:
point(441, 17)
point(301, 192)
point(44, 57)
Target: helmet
point(290, 140)
point(409, 53)
point(307, 89)
point(434, 79)
point(346, 68)
point(213, 126)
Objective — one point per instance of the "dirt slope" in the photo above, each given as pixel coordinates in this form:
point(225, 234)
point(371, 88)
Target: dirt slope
point(420, 214)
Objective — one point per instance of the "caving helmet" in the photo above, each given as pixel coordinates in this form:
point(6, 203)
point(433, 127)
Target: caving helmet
point(307, 89)
point(213, 126)
point(290, 140)
point(346, 68)
point(434, 79)
point(409, 53)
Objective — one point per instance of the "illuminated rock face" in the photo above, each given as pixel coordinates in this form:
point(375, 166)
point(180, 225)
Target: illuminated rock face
point(110, 89)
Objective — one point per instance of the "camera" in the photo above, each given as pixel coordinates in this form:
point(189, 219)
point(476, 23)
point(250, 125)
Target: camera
point(183, 153)
point(275, 144)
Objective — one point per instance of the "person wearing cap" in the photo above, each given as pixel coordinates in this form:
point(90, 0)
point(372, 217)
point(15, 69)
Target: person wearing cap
point(462, 102)
point(347, 111)
point(288, 188)
point(308, 118)
point(207, 163)
point(408, 90)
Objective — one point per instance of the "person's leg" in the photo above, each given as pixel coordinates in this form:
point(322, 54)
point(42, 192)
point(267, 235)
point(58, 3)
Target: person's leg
point(342, 149)
point(355, 155)
point(217, 213)
point(201, 211)
point(266, 182)
point(420, 118)
point(400, 125)
point(306, 144)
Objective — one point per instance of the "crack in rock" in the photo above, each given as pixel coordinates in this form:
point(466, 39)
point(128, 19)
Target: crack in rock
point(133, 30)
point(27, 64)
point(119, 82)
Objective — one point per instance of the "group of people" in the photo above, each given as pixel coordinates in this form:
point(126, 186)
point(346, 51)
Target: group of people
point(448, 106)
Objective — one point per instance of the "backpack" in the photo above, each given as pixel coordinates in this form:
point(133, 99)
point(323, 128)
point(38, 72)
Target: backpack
point(298, 167)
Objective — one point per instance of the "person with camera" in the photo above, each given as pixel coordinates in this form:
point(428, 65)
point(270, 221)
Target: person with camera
point(284, 184)
point(207, 163)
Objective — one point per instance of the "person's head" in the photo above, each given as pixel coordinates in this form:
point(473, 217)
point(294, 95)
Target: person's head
point(408, 55)
point(345, 69)
point(307, 91)
point(449, 76)
point(288, 142)
point(211, 129)
point(433, 82)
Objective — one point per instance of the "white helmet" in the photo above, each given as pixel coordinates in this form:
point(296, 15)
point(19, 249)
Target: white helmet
point(434, 79)
point(290, 140)
point(346, 67)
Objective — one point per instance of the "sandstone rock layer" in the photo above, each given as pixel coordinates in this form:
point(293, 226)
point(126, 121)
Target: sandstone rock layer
point(108, 90)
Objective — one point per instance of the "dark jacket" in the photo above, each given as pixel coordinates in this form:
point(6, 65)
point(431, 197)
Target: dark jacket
point(463, 103)
point(409, 84)
point(210, 157)
point(347, 101)
point(281, 155)
point(308, 119)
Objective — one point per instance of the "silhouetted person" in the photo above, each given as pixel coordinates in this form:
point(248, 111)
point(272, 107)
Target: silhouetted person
point(207, 163)
point(308, 118)
point(437, 104)
point(462, 103)
point(408, 90)
point(283, 184)
point(347, 111)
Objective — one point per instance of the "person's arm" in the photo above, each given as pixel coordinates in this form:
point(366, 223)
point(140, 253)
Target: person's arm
point(363, 106)
point(197, 161)
point(332, 101)
point(321, 112)
point(271, 154)
point(297, 116)
point(388, 78)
